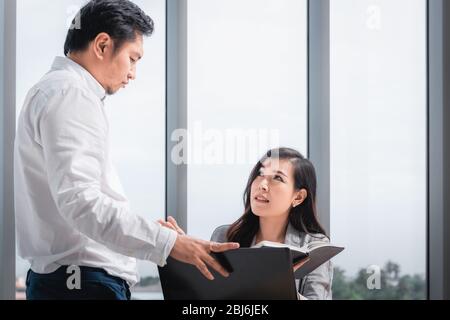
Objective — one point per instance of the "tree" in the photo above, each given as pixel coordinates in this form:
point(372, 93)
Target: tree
point(393, 285)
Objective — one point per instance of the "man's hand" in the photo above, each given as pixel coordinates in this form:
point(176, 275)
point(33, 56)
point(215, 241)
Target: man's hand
point(171, 223)
point(197, 252)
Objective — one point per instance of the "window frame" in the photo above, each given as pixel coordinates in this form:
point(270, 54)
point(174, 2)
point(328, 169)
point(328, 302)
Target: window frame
point(8, 125)
point(438, 215)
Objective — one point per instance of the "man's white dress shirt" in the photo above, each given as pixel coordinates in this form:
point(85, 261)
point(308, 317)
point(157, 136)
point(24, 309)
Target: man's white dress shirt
point(70, 206)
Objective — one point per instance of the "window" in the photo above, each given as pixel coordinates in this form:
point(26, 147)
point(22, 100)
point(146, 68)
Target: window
point(137, 115)
point(378, 147)
point(247, 93)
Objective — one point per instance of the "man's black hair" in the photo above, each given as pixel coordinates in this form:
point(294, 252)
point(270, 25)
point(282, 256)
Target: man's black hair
point(120, 19)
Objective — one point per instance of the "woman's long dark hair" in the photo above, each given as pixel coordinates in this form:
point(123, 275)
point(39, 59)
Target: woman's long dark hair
point(303, 217)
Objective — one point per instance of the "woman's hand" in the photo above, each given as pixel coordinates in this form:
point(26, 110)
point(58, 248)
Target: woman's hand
point(299, 264)
point(171, 223)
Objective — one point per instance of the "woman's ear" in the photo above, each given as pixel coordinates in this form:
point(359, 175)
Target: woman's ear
point(300, 197)
point(101, 43)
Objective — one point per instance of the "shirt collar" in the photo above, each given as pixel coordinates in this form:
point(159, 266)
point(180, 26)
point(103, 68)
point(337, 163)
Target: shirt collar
point(64, 63)
point(292, 236)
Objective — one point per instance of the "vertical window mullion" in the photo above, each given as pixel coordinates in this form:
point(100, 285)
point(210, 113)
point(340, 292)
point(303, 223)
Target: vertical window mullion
point(8, 83)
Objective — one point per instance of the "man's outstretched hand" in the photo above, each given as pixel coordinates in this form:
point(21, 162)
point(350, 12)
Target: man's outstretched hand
point(197, 252)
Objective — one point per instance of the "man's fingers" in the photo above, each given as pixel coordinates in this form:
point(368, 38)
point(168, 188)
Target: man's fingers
point(201, 266)
point(221, 247)
point(216, 265)
point(172, 221)
point(164, 224)
point(175, 224)
point(167, 225)
point(171, 226)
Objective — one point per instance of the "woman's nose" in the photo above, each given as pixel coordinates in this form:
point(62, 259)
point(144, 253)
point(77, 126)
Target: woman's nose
point(132, 73)
point(263, 186)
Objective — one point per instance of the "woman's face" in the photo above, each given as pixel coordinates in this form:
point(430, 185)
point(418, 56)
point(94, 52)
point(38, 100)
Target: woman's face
point(273, 191)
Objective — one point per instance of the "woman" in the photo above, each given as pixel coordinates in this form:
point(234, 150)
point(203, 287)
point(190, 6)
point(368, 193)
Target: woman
point(280, 206)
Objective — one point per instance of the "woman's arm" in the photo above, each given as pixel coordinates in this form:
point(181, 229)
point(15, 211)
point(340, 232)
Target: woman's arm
point(220, 234)
point(317, 284)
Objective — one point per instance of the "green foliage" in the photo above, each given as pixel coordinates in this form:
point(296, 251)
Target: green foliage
point(394, 286)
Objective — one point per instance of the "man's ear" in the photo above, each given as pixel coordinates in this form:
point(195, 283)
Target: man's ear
point(102, 43)
point(300, 197)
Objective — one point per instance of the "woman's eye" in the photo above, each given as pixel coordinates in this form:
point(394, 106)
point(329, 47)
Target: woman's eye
point(279, 178)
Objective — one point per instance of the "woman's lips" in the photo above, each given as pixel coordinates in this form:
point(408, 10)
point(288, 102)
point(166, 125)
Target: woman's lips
point(260, 199)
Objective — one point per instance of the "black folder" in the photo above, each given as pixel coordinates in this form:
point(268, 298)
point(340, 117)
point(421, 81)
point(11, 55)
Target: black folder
point(255, 274)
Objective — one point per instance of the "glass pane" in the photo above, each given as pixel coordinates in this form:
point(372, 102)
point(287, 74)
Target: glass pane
point(247, 92)
point(137, 115)
point(378, 148)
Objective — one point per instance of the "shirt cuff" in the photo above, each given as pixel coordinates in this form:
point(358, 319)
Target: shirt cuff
point(164, 244)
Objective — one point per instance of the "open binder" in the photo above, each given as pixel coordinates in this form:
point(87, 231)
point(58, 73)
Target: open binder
point(255, 274)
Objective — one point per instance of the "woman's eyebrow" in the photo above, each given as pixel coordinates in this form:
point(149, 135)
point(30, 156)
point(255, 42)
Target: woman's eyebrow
point(136, 54)
point(278, 171)
point(281, 172)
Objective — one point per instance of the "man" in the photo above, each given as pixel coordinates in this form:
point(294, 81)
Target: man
point(70, 211)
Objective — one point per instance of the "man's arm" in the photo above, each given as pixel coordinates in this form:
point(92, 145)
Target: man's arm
point(74, 139)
